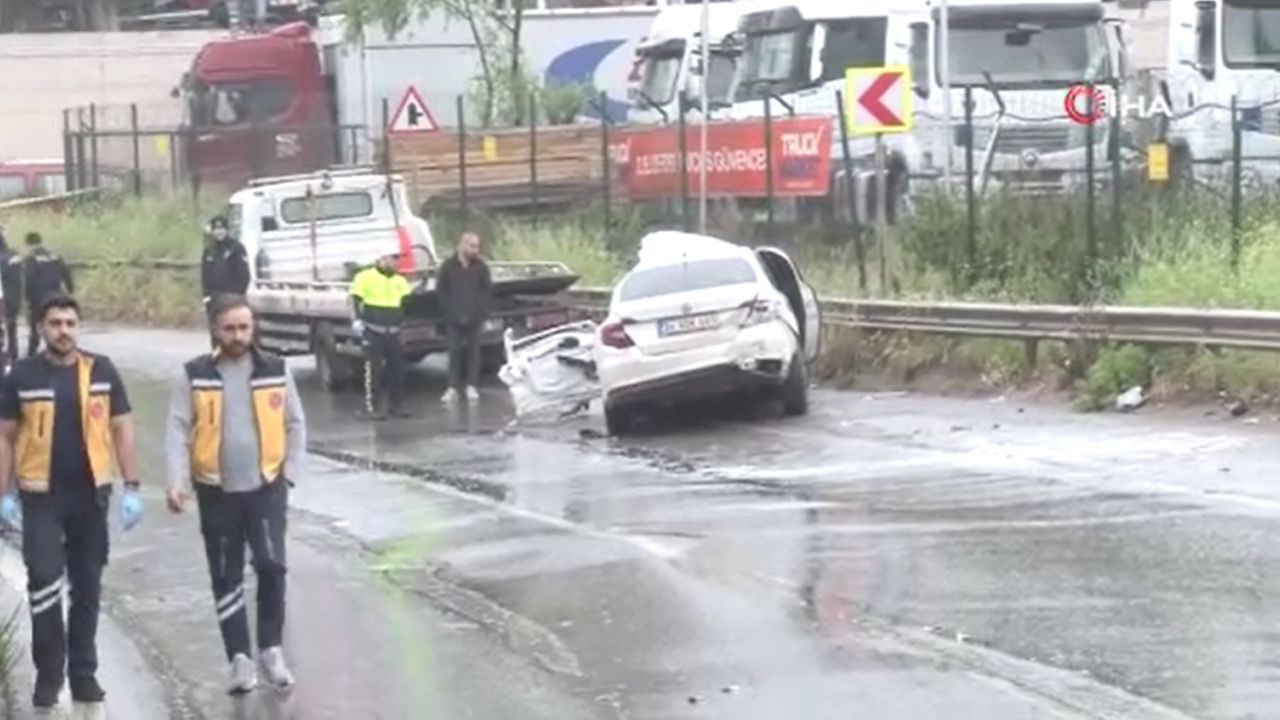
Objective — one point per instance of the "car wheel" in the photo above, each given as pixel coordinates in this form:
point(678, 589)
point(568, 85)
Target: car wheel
point(795, 390)
point(492, 358)
point(618, 421)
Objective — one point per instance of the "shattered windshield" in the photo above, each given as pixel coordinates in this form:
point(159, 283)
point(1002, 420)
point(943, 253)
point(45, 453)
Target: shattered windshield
point(1027, 54)
point(1251, 33)
point(686, 277)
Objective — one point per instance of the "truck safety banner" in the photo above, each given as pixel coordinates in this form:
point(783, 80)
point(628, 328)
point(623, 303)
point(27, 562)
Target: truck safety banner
point(648, 160)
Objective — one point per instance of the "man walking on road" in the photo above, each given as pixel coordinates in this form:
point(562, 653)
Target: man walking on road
point(44, 275)
point(377, 297)
point(63, 412)
point(11, 280)
point(236, 431)
point(224, 267)
point(464, 287)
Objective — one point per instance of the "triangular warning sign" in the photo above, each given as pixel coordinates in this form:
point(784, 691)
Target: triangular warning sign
point(412, 116)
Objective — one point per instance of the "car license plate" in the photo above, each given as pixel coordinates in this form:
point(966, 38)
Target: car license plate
point(685, 325)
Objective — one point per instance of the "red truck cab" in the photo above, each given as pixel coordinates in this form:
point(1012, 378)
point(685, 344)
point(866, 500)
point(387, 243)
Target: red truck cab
point(31, 178)
point(259, 105)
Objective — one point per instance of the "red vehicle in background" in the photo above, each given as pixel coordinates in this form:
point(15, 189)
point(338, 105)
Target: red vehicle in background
point(31, 178)
point(259, 105)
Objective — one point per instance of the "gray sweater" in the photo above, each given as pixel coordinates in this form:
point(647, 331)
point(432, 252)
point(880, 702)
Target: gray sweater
point(239, 451)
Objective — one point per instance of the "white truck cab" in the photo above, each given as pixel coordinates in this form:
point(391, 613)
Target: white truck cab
point(796, 55)
point(669, 61)
point(1219, 50)
point(317, 226)
point(1019, 59)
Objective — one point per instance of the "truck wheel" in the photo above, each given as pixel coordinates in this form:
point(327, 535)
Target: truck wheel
point(335, 370)
point(618, 421)
point(795, 390)
point(492, 358)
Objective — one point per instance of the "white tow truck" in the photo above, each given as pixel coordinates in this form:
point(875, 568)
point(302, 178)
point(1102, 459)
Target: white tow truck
point(307, 236)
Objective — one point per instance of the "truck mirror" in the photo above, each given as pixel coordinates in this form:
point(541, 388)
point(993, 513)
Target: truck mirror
point(269, 224)
point(1206, 39)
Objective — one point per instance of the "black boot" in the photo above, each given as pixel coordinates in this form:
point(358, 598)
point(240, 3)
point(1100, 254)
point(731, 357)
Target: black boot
point(85, 689)
point(46, 695)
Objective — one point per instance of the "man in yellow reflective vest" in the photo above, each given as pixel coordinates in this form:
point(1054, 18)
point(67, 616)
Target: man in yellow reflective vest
point(236, 431)
point(377, 296)
point(64, 411)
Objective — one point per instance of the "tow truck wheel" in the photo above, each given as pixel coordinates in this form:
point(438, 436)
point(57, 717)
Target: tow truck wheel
point(795, 390)
point(335, 370)
point(492, 358)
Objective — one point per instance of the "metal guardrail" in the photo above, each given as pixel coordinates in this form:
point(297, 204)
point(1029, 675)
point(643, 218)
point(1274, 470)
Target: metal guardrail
point(1244, 329)
point(57, 203)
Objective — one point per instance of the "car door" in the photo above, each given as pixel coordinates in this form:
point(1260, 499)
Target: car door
point(803, 300)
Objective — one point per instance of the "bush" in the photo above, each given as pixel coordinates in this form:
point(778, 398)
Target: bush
point(1115, 371)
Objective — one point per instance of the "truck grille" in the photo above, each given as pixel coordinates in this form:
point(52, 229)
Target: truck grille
point(1016, 139)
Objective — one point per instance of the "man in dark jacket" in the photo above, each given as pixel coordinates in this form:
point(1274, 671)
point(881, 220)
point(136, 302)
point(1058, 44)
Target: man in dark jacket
point(465, 289)
point(224, 269)
point(11, 281)
point(44, 275)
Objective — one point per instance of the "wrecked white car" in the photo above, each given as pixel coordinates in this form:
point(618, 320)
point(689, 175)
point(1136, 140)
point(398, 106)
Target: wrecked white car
point(696, 318)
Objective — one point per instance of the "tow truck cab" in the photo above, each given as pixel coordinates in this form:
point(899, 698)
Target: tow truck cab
point(259, 105)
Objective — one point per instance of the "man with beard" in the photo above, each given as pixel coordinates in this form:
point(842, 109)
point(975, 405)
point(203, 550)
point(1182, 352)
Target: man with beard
point(377, 296)
point(63, 411)
point(236, 431)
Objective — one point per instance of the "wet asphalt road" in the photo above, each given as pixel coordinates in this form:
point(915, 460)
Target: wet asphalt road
point(889, 556)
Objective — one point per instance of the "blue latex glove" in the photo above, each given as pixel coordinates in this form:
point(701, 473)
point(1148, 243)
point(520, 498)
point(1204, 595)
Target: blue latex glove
point(130, 509)
point(357, 327)
point(11, 511)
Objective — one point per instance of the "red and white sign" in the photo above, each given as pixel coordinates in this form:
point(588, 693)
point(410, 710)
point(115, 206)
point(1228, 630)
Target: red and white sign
point(648, 161)
point(412, 116)
point(878, 100)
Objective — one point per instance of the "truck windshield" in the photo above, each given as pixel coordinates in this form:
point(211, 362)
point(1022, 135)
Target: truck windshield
point(1251, 33)
point(771, 62)
point(1016, 53)
point(660, 73)
point(216, 105)
point(852, 43)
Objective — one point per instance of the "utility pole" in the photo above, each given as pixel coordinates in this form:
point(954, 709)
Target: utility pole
point(944, 69)
point(706, 106)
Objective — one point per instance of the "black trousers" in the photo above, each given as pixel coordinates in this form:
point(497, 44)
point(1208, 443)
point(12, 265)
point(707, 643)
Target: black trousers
point(11, 337)
point(464, 355)
point(384, 386)
point(33, 340)
point(229, 521)
point(64, 534)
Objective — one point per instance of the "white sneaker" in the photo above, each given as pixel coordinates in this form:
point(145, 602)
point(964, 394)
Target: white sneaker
point(449, 396)
point(244, 675)
point(275, 668)
point(473, 393)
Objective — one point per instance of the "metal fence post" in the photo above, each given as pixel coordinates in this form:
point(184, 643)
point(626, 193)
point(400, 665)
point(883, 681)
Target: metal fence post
point(683, 148)
point(93, 139)
point(462, 158)
point(1091, 249)
point(605, 179)
point(174, 178)
point(533, 155)
point(971, 244)
point(768, 164)
point(137, 150)
point(82, 162)
point(386, 136)
point(849, 193)
point(1117, 218)
point(1236, 182)
point(68, 161)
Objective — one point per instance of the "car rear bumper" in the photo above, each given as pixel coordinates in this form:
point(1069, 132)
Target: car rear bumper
point(700, 384)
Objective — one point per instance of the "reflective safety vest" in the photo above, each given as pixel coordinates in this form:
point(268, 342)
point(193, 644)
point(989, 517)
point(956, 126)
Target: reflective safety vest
point(382, 297)
point(33, 446)
point(268, 385)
